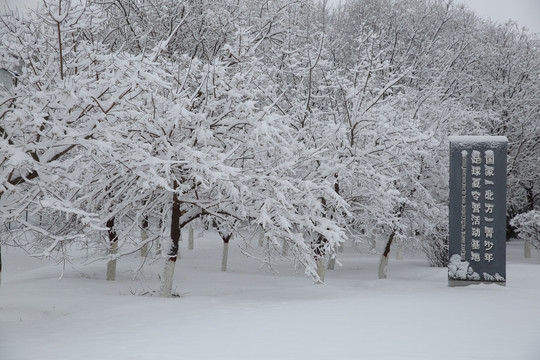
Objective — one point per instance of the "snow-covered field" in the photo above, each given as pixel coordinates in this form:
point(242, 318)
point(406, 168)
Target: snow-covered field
point(248, 313)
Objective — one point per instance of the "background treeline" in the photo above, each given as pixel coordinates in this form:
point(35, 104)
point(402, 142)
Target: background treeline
point(289, 124)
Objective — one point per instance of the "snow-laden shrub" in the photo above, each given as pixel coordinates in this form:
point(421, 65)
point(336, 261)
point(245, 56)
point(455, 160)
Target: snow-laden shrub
point(528, 227)
point(435, 246)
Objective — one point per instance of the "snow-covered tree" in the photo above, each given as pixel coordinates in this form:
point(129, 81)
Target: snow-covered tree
point(286, 118)
point(45, 120)
point(528, 227)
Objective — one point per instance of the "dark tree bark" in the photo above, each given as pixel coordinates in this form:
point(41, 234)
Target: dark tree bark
point(175, 226)
point(172, 255)
point(144, 236)
point(113, 249)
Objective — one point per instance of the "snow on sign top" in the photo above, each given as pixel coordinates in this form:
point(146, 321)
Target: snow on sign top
point(477, 139)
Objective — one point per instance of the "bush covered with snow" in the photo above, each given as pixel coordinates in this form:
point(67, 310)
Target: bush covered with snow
point(528, 227)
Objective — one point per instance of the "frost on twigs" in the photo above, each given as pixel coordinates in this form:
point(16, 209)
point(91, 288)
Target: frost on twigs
point(460, 270)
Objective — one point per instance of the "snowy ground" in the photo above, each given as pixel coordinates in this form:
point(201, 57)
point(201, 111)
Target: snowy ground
point(248, 313)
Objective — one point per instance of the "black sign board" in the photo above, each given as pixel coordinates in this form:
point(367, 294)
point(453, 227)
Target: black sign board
point(477, 244)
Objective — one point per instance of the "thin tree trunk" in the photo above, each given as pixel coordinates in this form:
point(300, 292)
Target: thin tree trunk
point(319, 254)
point(332, 261)
point(336, 189)
point(372, 245)
point(191, 244)
point(383, 264)
point(60, 51)
point(144, 237)
point(399, 250)
point(320, 269)
point(159, 245)
point(225, 256)
point(261, 236)
point(113, 250)
point(530, 206)
point(527, 249)
point(170, 262)
point(111, 265)
point(285, 248)
point(0, 265)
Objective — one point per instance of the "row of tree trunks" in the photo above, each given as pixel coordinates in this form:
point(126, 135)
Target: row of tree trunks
point(172, 255)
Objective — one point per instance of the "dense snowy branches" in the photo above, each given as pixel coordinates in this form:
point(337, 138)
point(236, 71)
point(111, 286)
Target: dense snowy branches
point(305, 123)
point(528, 226)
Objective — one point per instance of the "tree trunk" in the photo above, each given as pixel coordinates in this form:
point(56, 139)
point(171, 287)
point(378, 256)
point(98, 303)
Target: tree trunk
point(225, 257)
point(319, 254)
point(159, 245)
point(261, 236)
point(144, 237)
point(167, 280)
point(113, 250)
point(285, 248)
point(168, 271)
point(332, 261)
point(0, 265)
point(336, 189)
point(320, 269)
point(372, 244)
point(111, 265)
point(60, 41)
point(527, 249)
point(530, 206)
point(191, 240)
point(333, 257)
point(383, 264)
point(399, 250)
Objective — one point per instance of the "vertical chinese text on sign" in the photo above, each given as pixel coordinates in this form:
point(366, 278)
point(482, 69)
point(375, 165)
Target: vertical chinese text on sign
point(477, 244)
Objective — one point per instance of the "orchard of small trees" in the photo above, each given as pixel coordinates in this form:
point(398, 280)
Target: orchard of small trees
point(288, 122)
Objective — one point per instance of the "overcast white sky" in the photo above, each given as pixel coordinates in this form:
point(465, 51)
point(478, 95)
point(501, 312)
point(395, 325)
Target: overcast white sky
point(525, 12)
